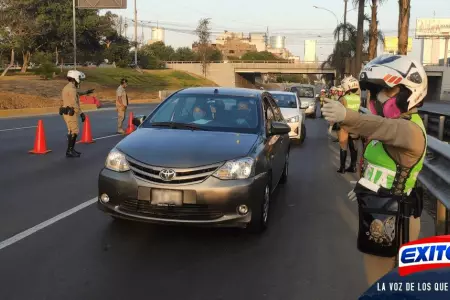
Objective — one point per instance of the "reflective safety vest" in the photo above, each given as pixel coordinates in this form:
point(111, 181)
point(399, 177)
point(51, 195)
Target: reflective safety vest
point(353, 101)
point(382, 170)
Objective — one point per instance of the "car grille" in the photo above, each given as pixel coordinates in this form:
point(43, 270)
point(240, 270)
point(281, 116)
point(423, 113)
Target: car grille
point(183, 176)
point(185, 212)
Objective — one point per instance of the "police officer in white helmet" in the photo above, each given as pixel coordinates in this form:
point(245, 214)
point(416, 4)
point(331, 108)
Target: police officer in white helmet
point(70, 109)
point(393, 158)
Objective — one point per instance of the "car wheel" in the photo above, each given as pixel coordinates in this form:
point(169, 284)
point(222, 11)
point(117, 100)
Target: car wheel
point(284, 176)
point(303, 135)
point(260, 215)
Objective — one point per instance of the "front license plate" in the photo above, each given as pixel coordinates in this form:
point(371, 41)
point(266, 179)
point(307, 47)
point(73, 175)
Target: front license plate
point(167, 197)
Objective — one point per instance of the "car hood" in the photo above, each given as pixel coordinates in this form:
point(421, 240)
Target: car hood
point(308, 100)
point(175, 148)
point(289, 112)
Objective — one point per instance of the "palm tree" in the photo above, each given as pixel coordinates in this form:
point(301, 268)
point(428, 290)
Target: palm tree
point(373, 28)
point(359, 34)
point(403, 25)
point(372, 38)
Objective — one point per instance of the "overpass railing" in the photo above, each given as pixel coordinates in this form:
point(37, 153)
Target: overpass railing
point(434, 179)
point(292, 62)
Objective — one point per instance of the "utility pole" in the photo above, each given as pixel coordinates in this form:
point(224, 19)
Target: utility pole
point(345, 18)
point(135, 34)
point(74, 36)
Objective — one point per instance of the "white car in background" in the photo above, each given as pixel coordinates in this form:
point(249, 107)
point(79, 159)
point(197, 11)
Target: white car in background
point(291, 109)
point(306, 94)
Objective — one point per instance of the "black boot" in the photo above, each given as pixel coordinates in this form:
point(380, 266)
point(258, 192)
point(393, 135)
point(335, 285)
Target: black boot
point(70, 144)
point(353, 157)
point(343, 158)
point(69, 136)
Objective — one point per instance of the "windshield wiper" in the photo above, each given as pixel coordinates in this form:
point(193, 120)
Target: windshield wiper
point(175, 125)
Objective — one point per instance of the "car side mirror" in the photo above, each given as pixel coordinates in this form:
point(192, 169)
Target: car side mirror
point(304, 105)
point(279, 128)
point(138, 120)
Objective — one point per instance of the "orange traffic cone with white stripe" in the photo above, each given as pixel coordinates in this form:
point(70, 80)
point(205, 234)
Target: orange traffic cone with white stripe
point(40, 145)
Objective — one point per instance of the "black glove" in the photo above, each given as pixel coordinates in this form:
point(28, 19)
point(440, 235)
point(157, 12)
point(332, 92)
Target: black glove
point(90, 91)
point(62, 110)
point(83, 117)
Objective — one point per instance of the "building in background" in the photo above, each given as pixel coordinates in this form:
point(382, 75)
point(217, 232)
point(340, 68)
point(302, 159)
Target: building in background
point(277, 42)
point(433, 51)
point(310, 51)
point(259, 39)
point(158, 35)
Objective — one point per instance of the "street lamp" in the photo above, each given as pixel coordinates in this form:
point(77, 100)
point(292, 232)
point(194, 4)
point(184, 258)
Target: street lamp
point(323, 8)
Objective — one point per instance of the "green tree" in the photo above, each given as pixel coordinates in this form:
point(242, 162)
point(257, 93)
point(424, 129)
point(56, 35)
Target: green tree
point(203, 32)
point(359, 35)
point(184, 54)
point(215, 55)
point(374, 35)
point(263, 55)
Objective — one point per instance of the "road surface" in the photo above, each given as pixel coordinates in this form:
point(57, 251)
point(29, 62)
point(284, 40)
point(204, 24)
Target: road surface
point(309, 251)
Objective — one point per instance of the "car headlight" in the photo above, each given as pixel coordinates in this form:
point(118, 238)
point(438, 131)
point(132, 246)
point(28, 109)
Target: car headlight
point(116, 161)
point(293, 119)
point(236, 169)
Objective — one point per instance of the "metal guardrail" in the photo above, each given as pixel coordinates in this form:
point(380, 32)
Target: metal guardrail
point(437, 123)
point(435, 177)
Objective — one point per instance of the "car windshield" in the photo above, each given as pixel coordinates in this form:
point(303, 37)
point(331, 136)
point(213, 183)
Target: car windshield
point(304, 92)
point(285, 100)
point(207, 112)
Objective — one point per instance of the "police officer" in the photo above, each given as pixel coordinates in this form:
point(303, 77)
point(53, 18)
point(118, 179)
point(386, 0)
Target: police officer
point(350, 100)
point(389, 212)
point(70, 109)
point(121, 104)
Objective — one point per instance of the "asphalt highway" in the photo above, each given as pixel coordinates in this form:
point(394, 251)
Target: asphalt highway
point(309, 251)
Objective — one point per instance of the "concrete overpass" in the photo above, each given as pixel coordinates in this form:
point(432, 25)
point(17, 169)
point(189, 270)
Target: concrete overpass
point(242, 73)
point(438, 82)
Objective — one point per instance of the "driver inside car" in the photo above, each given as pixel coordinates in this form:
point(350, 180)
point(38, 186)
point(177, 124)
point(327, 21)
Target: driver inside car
point(199, 115)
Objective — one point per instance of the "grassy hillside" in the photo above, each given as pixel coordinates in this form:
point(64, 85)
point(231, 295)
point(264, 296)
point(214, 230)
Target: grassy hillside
point(31, 91)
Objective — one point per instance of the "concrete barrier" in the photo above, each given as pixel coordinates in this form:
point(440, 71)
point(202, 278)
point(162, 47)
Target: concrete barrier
point(39, 111)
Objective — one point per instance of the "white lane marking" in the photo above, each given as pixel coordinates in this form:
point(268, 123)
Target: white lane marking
point(34, 229)
point(18, 128)
point(106, 137)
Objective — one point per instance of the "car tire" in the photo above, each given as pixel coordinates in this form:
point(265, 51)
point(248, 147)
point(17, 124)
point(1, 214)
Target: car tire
point(260, 215)
point(303, 135)
point(285, 175)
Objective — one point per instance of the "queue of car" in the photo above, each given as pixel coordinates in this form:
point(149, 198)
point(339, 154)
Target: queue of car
point(205, 157)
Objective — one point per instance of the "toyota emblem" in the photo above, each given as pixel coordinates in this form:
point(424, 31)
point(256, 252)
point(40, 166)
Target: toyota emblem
point(167, 175)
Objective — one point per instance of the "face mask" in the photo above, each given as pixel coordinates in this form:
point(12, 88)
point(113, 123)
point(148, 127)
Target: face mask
point(198, 115)
point(385, 106)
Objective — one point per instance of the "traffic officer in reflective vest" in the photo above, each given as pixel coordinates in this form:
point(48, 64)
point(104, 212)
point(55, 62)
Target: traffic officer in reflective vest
point(70, 109)
point(393, 157)
point(350, 100)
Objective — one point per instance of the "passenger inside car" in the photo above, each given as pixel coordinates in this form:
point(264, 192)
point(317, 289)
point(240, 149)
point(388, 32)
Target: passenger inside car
point(244, 114)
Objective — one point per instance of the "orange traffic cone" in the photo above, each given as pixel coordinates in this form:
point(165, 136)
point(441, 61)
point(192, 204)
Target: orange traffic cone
point(131, 127)
point(40, 146)
point(87, 133)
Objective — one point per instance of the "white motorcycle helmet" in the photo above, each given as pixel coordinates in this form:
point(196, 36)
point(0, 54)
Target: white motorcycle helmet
point(77, 75)
point(349, 83)
point(388, 71)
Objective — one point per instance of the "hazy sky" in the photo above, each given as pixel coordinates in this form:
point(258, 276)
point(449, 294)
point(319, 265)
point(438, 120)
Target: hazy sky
point(297, 20)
